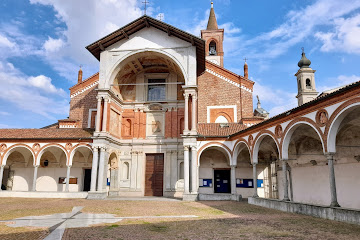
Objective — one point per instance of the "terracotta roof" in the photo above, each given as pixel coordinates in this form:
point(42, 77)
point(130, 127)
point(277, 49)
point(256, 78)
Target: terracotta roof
point(212, 23)
point(219, 129)
point(145, 21)
point(49, 133)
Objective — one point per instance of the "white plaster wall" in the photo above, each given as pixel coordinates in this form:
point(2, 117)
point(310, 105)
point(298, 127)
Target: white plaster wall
point(206, 173)
point(23, 178)
point(311, 185)
point(347, 185)
point(47, 179)
point(247, 174)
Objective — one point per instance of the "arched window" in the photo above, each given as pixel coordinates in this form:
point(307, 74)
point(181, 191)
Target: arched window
point(221, 119)
point(212, 48)
point(308, 83)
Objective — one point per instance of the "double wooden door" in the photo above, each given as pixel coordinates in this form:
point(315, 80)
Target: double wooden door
point(154, 175)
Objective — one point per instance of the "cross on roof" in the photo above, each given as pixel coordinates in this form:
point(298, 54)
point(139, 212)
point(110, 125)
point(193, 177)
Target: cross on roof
point(245, 59)
point(145, 2)
point(160, 16)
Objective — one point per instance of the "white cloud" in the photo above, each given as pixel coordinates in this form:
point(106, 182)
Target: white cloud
point(340, 81)
point(5, 42)
point(4, 113)
point(277, 99)
point(53, 45)
point(343, 37)
point(302, 24)
point(44, 83)
point(18, 89)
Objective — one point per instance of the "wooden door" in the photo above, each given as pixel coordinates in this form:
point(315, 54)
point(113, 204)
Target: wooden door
point(154, 174)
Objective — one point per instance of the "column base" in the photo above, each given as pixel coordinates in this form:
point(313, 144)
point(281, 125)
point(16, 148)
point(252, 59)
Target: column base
point(190, 197)
point(113, 193)
point(96, 195)
point(334, 204)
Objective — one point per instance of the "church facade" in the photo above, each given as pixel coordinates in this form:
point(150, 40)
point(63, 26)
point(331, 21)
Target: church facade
point(163, 117)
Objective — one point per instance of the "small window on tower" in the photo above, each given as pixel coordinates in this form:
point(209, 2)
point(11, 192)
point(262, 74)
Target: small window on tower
point(308, 83)
point(212, 48)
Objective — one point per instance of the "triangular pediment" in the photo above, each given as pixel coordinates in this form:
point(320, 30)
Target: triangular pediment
point(148, 22)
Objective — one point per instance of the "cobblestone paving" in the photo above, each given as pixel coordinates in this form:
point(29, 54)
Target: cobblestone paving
point(216, 220)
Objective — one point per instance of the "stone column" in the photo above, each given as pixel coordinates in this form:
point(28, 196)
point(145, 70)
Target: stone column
point(194, 112)
point(285, 179)
point(134, 169)
point(94, 169)
point(194, 171)
point(255, 180)
point(186, 170)
point(174, 170)
point(233, 179)
point(67, 178)
point(35, 177)
point(98, 114)
point(186, 113)
point(330, 158)
point(1, 175)
point(100, 186)
point(104, 123)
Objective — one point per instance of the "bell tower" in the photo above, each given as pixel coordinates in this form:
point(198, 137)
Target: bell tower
point(214, 38)
point(305, 81)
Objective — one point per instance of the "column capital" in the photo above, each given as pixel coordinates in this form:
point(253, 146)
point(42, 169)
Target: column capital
point(99, 98)
point(186, 148)
point(193, 148)
point(194, 95)
point(284, 159)
point(254, 164)
point(186, 95)
point(103, 149)
point(233, 166)
point(95, 148)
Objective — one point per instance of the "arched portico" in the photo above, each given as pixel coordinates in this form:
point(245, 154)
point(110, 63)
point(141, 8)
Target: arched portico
point(214, 169)
point(120, 64)
point(17, 168)
point(243, 176)
point(305, 163)
point(265, 165)
point(343, 142)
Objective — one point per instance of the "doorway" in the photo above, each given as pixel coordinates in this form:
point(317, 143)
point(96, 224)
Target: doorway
point(87, 180)
point(154, 174)
point(222, 181)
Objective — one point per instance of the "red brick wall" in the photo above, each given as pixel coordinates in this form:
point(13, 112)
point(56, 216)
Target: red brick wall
point(80, 105)
point(213, 91)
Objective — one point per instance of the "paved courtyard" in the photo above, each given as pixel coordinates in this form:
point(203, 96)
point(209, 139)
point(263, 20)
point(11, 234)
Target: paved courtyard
point(133, 219)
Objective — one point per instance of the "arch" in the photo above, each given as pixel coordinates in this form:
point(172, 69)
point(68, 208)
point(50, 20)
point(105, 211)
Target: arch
point(213, 48)
point(207, 44)
point(258, 141)
point(335, 121)
point(225, 115)
point(237, 148)
point(290, 129)
point(308, 83)
point(118, 64)
point(42, 150)
point(12, 149)
point(73, 151)
point(215, 145)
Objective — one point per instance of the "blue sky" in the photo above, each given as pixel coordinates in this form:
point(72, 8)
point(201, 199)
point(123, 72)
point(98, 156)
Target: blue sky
point(42, 44)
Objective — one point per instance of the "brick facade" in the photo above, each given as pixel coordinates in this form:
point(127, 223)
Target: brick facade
point(215, 91)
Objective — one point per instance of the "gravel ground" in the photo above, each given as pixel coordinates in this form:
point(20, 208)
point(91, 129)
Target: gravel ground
point(216, 220)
